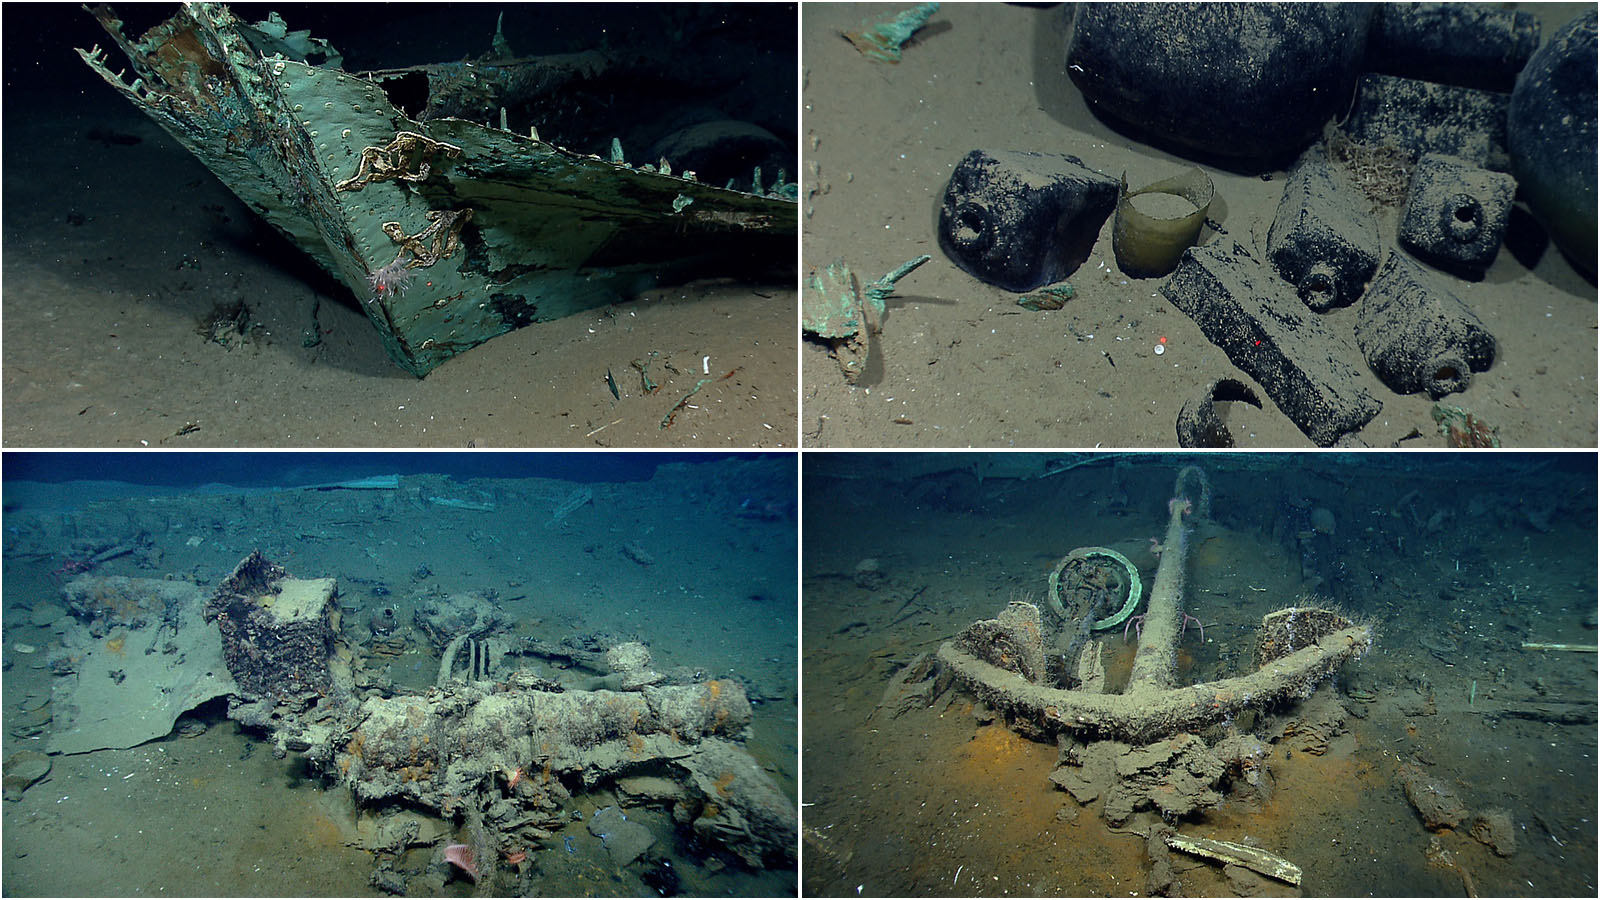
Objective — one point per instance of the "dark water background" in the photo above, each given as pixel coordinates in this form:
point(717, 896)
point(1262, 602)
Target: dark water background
point(282, 470)
point(1455, 561)
point(706, 581)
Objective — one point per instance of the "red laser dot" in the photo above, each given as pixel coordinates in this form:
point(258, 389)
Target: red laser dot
point(1162, 341)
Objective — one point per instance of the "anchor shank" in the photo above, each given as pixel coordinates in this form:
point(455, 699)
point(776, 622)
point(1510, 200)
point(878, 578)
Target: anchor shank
point(1154, 664)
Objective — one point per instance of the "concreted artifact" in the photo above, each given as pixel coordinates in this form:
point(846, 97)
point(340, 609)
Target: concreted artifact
point(1000, 660)
point(835, 308)
point(492, 747)
point(1157, 745)
point(882, 40)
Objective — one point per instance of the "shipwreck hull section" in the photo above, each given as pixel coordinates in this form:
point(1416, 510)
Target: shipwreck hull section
point(448, 231)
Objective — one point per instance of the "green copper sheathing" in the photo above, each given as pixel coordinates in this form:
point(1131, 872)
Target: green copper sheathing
point(878, 291)
point(831, 308)
point(483, 229)
point(881, 41)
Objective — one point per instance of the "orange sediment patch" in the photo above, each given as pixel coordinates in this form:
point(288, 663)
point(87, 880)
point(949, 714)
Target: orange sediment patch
point(1337, 784)
point(325, 832)
point(722, 782)
point(1000, 782)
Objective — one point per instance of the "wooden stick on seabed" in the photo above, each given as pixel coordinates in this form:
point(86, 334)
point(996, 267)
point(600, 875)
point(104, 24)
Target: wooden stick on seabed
point(1238, 854)
point(1575, 648)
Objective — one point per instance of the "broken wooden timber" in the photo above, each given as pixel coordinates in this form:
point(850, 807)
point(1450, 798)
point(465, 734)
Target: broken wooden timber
point(1551, 711)
point(1239, 855)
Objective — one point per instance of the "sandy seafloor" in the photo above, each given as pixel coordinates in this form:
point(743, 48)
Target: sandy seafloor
point(216, 814)
point(958, 363)
point(1454, 565)
point(115, 252)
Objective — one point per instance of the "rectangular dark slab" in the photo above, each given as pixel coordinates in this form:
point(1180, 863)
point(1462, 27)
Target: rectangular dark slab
point(1266, 331)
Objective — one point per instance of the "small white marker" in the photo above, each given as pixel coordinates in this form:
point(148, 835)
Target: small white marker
point(705, 365)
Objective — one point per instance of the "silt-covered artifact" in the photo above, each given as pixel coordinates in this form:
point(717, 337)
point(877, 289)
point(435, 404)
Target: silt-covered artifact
point(1456, 214)
point(1551, 134)
point(145, 657)
point(1266, 331)
point(1424, 117)
point(1250, 82)
point(1199, 423)
point(1472, 44)
point(1021, 220)
point(450, 231)
point(1417, 336)
point(1323, 239)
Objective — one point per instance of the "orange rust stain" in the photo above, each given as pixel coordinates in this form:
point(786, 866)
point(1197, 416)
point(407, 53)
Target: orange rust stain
point(722, 783)
point(1335, 784)
point(1006, 775)
point(417, 773)
point(1119, 663)
point(1213, 551)
point(324, 833)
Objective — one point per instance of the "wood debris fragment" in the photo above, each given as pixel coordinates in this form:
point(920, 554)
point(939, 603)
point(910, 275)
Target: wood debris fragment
point(1240, 855)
